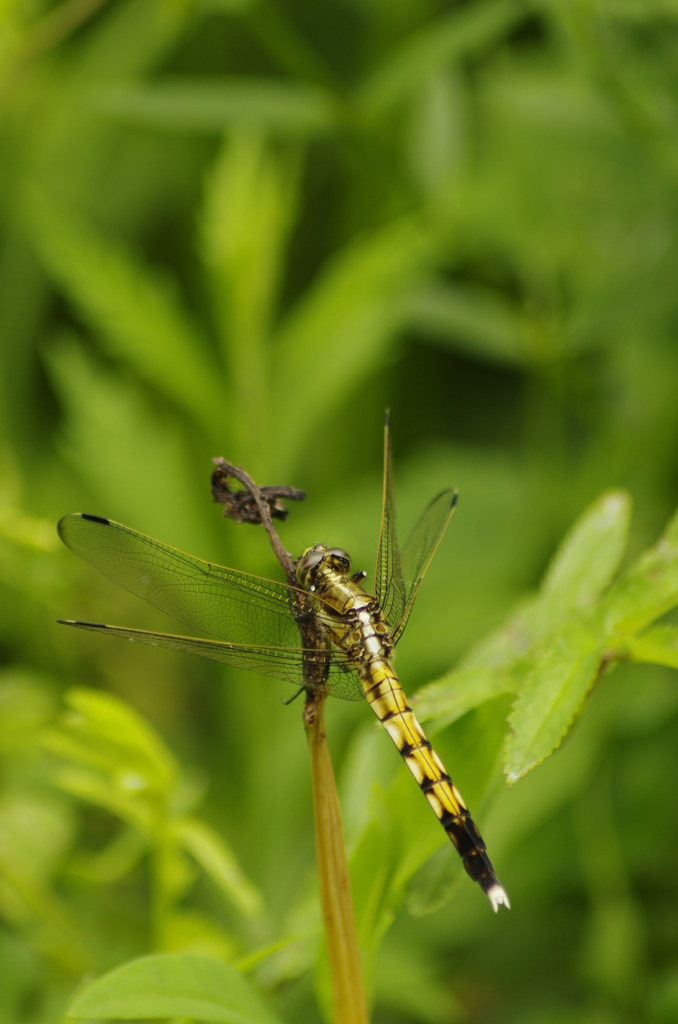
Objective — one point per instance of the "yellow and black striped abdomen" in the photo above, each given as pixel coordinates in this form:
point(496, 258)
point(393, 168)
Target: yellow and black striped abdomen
point(387, 699)
point(354, 623)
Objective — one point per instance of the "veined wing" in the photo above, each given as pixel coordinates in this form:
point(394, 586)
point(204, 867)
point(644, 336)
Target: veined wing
point(226, 603)
point(399, 574)
point(388, 577)
point(283, 663)
point(251, 615)
point(419, 550)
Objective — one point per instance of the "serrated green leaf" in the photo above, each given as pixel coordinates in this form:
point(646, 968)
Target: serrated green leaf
point(579, 572)
point(450, 697)
point(172, 985)
point(509, 644)
point(647, 591)
point(658, 646)
point(551, 698)
point(556, 640)
point(589, 555)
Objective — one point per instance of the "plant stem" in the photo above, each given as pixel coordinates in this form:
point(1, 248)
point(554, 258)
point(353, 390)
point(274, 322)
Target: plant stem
point(348, 994)
point(348, 991)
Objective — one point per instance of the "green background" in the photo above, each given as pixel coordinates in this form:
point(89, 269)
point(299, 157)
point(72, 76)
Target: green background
point(242, 228)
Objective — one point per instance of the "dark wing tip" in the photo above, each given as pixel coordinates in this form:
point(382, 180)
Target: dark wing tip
point(451, 494)
point(63, 524)
point(81, 625)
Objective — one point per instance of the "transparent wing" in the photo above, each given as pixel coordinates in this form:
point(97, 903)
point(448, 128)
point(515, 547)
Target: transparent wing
point(399, 575)
point(253, 616)
point(389, 582)
point(419, 550)
point(280, 662)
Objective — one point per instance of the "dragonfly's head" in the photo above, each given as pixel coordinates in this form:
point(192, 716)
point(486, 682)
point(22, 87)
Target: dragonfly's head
point(318, 559)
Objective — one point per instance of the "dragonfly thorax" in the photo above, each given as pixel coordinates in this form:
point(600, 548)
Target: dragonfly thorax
point(320, 558)
point(350, 615)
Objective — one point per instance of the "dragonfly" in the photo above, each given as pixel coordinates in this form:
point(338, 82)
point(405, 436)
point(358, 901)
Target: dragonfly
point(326, 632)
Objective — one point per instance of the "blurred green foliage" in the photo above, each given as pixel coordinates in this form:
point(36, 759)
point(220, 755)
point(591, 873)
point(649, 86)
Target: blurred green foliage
point(236, 227)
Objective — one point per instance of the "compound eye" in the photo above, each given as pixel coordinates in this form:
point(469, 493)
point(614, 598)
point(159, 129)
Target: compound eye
point(310, 560)
point(341, 558)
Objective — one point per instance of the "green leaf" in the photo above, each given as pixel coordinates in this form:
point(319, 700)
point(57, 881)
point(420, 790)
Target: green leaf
point(409, 983)
point(441, 42)
point(589, 555)
point(551, 697)
point(34, 835)
point(356, 307)
point(647, 591)
point(658, 646)
point(172, 985)
point(93, 399)
point(250, 203)
point(113, 759)
point(249, 209)
point(113, 861)
point(474, 319)
point(450, 697)
point(134, 309)
point(219, 862)
point(26, 705)
point(281, 107)
point(505, 648)
point(113, 734)
point(577, 575)
point(545, 641)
